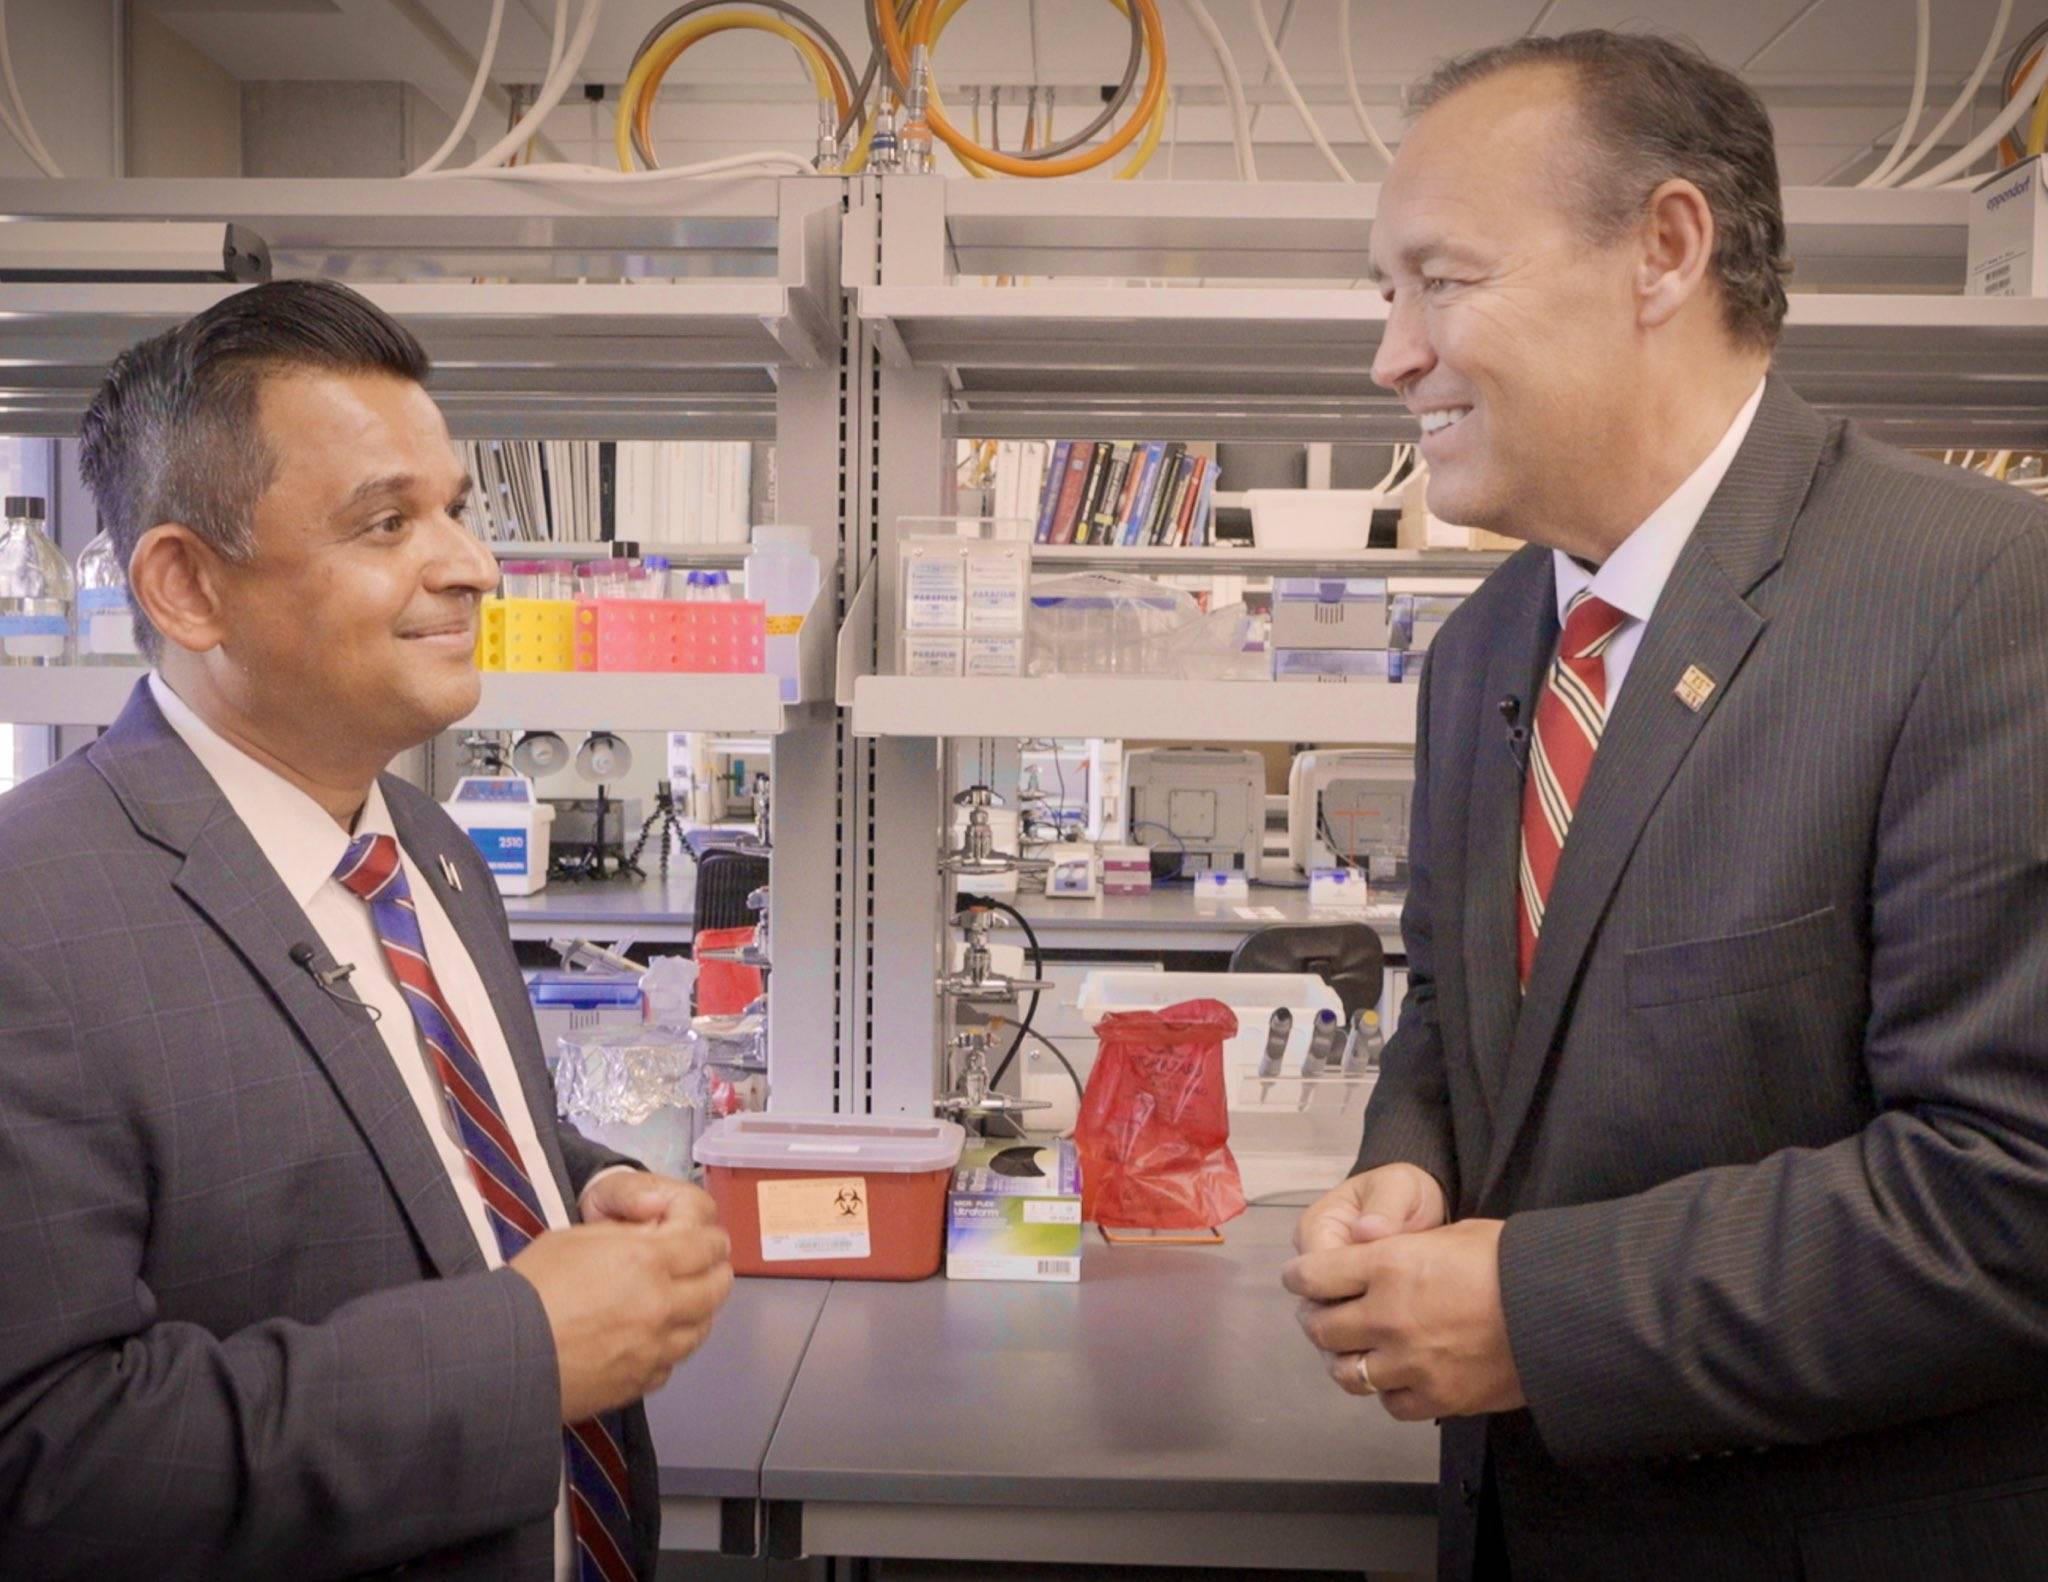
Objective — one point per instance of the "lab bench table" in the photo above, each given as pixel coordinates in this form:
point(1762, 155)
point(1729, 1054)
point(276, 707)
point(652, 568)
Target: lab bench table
point(713, 1420)
point(1169, 919)
point(1165, 1410)
point(652, 910)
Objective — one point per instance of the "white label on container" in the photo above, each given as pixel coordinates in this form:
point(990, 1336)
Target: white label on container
point(995, 593)
point(934, 596)
point(816, 1217)
point(33, 636)
point(931, 656)
point(1052, 1212)
point(995, 656)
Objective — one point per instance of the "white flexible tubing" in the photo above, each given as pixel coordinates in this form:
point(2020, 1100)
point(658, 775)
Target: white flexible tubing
point(25, 133)
point(1233, 89)
point(1372, 135)
point(1401, 453)
point(1963, 100)
point(602, 176)
point(551, 92)
point(1293, 93)
point(557, 39)
point(435, 160)
point(2002, 123)
point(1925, 22)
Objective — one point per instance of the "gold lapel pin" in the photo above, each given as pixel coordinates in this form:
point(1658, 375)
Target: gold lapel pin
point(1694, 688)
point(448, 872)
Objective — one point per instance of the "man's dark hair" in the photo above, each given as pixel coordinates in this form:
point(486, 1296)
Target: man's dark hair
point(1657, 109)
point(172, 436)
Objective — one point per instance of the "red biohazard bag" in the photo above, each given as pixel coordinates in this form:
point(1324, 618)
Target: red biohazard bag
point(1154, 1133)
point(725, 988)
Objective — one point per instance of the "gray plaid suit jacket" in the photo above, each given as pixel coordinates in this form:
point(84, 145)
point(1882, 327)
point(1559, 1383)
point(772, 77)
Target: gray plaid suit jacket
point(245, 1328)
point(1771, 1123)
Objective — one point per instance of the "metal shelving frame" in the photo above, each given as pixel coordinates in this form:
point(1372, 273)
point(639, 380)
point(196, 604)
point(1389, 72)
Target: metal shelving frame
point(559, 312)
point(1232, 311)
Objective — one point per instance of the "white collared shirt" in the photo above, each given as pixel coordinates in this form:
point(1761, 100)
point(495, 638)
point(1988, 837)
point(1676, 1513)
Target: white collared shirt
point(304, 845)
point(1633, 577)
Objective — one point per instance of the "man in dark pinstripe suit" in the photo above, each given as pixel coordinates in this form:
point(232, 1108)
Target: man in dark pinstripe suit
point(1704, 1196)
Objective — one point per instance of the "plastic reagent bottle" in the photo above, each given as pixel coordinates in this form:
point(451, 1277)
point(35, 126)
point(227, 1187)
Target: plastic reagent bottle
point(105, 629)
point(35, 588)
point(782, 575)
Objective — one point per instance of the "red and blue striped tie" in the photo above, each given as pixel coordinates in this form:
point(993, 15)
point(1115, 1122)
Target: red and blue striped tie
point(599, 1513)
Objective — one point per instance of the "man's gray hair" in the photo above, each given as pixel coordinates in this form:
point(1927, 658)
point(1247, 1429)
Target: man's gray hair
point(173, 436)
point(1656, 110)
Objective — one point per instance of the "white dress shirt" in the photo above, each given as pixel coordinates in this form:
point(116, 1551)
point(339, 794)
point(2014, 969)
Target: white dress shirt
point(304, 845)
point(1633, 577)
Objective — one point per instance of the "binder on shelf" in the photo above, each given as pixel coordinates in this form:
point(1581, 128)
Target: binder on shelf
point(1141, 497)
point(1116, 474)
point(1049, 491)
point(1091, 491)
point(1079, 460)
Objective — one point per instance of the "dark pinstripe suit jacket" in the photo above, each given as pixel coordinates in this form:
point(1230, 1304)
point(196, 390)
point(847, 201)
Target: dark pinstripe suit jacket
point(245, 1328)
point(1770, 1127)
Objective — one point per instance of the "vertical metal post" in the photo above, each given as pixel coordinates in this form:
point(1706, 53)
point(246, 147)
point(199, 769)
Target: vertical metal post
point(807, 878)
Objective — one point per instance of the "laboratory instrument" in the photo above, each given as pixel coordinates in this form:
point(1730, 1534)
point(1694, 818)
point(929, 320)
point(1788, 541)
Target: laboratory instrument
point(1350, 809)
point(1200, 809)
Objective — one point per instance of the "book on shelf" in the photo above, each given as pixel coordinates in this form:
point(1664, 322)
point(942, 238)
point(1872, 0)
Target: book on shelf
point(1130, 494)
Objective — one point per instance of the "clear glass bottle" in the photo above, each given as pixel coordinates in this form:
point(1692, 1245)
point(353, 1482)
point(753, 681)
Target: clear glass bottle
point(104, 631)
point(35, 588)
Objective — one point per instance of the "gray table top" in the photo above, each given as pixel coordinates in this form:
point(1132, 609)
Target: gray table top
point(714, 1418)
point(624, 902)
point(1172, 911)
point(1169, 1378)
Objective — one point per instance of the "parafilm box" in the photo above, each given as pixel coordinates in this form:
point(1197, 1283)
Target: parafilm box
point(1014, 1212)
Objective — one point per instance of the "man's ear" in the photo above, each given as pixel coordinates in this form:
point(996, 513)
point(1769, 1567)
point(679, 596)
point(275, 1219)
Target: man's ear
point(1678, 238)
point(175, 576)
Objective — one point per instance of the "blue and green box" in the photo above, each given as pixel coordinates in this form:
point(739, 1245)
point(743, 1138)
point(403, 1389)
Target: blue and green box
point(1014, 1212)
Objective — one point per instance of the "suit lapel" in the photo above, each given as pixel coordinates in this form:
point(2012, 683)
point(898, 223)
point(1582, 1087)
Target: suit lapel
point(1528, 631)
point(1703, 621)
point(476, 919)
point(226, 877)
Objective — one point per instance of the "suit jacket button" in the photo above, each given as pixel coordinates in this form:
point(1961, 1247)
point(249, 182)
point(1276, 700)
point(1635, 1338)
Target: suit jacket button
point(1469, 1487)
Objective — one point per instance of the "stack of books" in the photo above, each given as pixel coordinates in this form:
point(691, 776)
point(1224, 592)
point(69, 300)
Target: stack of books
point(1146, 493)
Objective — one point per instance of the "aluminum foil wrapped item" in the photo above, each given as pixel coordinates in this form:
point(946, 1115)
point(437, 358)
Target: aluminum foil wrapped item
point(634, 1089)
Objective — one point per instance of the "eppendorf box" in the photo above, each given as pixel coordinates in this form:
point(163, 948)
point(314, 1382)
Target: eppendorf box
point(1015, 1213)
point(2009, 233)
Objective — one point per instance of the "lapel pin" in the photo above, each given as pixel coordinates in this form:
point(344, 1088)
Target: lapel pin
point(455, 879)
point(1694, 688)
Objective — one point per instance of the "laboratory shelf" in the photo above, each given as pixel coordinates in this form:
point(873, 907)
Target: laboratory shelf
point(86, 695)
point(1230, 559)
point(557, 700)
point(1142, 709)
point(642, 326)
point(1163, 361)
point(1842, 237)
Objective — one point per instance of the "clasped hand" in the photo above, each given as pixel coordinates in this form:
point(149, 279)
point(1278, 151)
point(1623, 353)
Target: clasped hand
point(1381, 1275)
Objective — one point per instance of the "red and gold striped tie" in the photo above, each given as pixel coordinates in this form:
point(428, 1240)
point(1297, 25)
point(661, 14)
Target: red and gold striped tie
point(1569, 719)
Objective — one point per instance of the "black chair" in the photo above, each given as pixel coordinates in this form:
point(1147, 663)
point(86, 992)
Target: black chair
point(1346, 956)
point(725, 878)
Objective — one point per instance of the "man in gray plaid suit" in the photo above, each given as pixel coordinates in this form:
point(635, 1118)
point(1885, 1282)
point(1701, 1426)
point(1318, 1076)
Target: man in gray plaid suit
point(299, 1275)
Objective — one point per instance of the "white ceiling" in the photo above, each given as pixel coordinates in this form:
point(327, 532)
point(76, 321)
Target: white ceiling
point(1835, 72)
